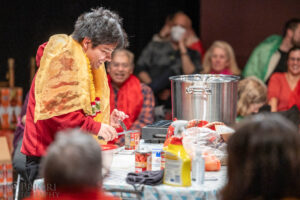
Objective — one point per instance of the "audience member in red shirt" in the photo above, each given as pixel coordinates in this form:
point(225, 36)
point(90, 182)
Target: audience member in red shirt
point(284, 88)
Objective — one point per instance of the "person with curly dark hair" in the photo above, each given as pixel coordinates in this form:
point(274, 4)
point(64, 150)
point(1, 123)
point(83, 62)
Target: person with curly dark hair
point(263, 160)
point(70, 88)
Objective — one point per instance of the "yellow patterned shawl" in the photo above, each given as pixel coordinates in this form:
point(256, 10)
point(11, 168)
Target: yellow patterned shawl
point(65, 82)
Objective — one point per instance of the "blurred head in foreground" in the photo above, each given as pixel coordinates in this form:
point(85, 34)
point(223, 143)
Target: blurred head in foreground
point(263, 159)
point(73, 160)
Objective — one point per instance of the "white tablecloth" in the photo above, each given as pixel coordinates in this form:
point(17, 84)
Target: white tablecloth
point(122, 164)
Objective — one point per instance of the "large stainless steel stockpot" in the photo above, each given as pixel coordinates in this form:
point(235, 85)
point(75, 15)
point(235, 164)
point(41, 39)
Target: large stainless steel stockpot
point(204, 96)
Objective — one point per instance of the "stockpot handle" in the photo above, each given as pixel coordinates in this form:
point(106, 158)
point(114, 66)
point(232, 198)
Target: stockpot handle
point(198, 90)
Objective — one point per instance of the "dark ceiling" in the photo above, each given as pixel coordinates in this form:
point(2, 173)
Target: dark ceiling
point(26, 24)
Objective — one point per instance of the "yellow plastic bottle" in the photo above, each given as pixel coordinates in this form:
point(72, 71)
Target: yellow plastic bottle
point(177, 166)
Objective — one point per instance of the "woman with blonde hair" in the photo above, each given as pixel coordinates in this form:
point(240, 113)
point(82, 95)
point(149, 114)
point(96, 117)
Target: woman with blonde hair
point(252, 95)
point(220, 59)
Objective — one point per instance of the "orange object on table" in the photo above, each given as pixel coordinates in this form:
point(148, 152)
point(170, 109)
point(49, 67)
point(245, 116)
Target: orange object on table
point(212, 163)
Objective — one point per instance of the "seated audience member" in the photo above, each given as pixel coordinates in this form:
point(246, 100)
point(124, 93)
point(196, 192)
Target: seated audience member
point(127, 93)
point(192, 41)
point(72, 168)
point(160, 60)
point(220, 59)
point(284, 87)
point(263, 160)
point(271, 55)
point(252, 95)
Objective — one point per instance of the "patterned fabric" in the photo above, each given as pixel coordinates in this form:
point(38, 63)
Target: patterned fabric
point(64, 80)
point(129, 99)
point(146, 115)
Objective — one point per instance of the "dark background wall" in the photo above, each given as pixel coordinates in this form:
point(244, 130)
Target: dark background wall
point(26, 24)
point(244, 23)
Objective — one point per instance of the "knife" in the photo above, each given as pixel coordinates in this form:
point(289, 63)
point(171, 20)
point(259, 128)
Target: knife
point(123, 125)
point(121, 133)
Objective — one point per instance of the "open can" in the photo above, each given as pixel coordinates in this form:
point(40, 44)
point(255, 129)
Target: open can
point(143, 158)
point(132, 139)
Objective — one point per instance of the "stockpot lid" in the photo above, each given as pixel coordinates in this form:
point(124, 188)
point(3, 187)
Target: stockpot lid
point(207, 78)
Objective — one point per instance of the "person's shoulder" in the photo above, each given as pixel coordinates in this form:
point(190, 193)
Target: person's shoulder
point(145, 88)
point(277, 76)
point(272, 40)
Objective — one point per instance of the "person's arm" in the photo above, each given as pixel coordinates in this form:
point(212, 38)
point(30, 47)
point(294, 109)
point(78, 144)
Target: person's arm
point(146, 115)
point(188, 66)
point(274, 92)
point(273, 102)
point(86, 123)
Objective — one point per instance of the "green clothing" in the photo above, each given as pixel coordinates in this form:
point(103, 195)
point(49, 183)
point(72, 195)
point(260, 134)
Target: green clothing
point(238, 118)
point(258, 62)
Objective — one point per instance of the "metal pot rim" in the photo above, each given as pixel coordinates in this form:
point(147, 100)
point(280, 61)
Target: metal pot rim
point(209, 78)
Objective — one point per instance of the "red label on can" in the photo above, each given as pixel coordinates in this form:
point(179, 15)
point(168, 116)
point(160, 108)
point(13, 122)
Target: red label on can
point(142, 161)
point(132, 139)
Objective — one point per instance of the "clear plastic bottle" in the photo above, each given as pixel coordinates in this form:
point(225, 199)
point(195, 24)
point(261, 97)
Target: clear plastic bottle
point(198, 168)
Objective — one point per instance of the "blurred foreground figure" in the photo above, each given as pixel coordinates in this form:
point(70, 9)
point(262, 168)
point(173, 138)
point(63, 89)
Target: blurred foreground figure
point(263, 160)
point(72, 168)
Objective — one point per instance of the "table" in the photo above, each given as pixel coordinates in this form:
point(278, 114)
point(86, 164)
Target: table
point(122, 164)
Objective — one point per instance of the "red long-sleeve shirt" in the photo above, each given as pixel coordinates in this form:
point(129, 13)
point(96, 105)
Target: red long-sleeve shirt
point(38, 136)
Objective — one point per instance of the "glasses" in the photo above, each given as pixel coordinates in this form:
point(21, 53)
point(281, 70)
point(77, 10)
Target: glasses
point(125, 65)
point(294, 59)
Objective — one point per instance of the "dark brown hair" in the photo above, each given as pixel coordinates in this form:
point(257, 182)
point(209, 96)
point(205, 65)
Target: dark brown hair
point(263, 159)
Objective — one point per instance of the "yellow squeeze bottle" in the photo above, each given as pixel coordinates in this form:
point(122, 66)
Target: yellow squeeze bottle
point(177, 165)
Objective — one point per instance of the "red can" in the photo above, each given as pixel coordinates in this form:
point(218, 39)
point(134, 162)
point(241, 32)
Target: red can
point(143, 160)
point(132, 139)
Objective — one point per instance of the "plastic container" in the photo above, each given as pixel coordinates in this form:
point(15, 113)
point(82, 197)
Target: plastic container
point(198, 168)
point(177, 165)
point(107, 152)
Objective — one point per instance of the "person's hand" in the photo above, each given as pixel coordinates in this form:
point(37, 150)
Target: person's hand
point(116, 116)
point(182, 43)
point(191, 37)
point(107, 132)
point(166, 29)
